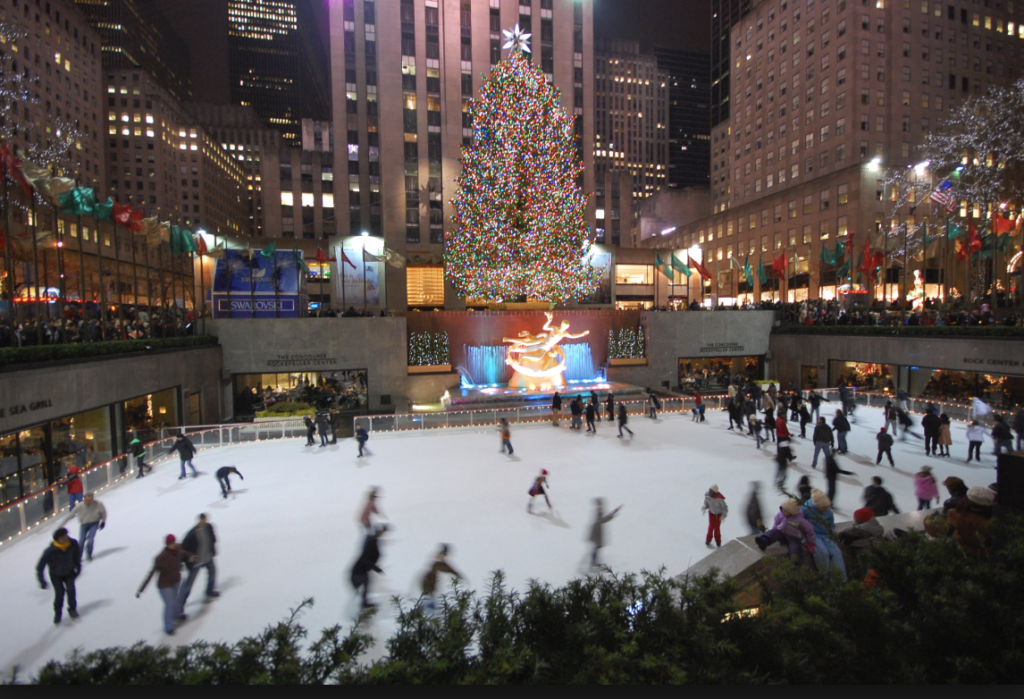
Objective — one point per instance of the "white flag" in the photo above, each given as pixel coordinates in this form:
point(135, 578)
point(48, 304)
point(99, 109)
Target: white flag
point(980, 407)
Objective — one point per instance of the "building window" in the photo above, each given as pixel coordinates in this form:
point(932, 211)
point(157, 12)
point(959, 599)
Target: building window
point(425, 286)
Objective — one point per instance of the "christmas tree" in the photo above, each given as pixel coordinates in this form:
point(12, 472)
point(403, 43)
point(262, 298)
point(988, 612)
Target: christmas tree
point(520, 226)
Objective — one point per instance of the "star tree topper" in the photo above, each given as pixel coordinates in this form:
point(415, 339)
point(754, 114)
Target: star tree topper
point(516, 39)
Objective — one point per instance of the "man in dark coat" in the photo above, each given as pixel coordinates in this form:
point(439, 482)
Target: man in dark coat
point(832, 472)
point(591, 412)
point(321, 427)
point(885, 442)
point(201, 545)
point(310, 430)
point(930, 425)
point(556, 408)
point(878, 499)
point(186, 450)
point(842, 428)
point(64, 559)
point(367, 561)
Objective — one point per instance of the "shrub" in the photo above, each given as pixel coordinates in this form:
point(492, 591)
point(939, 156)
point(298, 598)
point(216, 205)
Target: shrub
point(11, 356)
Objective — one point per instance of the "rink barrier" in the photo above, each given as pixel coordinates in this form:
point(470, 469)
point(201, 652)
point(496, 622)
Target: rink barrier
point(47, 504)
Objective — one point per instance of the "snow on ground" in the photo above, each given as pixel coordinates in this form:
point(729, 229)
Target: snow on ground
point(290, 529)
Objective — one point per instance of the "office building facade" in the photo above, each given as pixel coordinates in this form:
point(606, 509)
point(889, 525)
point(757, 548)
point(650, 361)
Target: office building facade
point(689, 110)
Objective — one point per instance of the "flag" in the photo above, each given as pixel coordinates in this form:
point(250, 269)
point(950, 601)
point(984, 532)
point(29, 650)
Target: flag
point(779, 264)
point(201, 245)
point(980, 407)
point(151, 231)
point(299, 262)
point(679, 266)
point(270, 251)
point(103, 211)
point(665, 268)
point(80, 201)
point(182, 241)
point(393, 258)
point(734, 263)
point(12, 167)
point(827, 256)
point(762, 275)
point(370, 257)
point(970, 246)
point(1002, 225)
point(701, 269)
point(48, 186)
point(345, 260)
point(748, 272)
point(124, 215)
point(839, 250)
point(953, 231)
point(943, 195)
point(843, 271)
point(321, 256)
point(217, 252)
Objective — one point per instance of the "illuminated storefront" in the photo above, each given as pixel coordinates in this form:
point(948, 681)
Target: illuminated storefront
point(286, 394)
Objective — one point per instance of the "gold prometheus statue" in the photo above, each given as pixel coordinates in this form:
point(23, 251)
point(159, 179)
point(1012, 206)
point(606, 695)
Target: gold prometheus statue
point(538, 361)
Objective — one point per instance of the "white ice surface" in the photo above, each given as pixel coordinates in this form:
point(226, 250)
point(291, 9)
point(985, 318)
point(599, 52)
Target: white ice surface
point(290, 529)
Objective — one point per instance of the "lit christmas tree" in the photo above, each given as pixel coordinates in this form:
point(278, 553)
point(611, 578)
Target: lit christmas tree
point(520, 227)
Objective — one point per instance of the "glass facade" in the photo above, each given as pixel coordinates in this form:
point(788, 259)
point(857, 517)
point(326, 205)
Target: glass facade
point(297, 392)
point(34, 457)
point(713, 374)
point(998, 390)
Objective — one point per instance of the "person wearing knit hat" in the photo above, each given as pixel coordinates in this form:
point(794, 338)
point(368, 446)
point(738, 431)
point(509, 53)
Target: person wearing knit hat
point(969, 521)
point(827, 556)
point(63, 558)
point(925, 488)
point(714, 505)
point(167, 568)
point(790, 527)
point(957, 491)
point(539, 487)
point(865, 532)
point(863, 515)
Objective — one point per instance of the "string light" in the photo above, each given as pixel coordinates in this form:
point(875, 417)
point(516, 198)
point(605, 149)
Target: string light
point(519, 220)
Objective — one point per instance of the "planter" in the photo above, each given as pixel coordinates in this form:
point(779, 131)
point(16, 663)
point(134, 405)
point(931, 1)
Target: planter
point(431, 369)
point(628, 361)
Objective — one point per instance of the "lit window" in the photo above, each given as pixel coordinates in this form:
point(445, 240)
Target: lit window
point(287, 199)
point(307, 199)
point(328, 201)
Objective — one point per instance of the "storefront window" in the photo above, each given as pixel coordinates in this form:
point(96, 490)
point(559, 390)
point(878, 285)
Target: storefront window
point(962, 386)
point(863, 376)
point(146, 415)
point(634, 274)
point(298, 393)
point(713, 374)
point(10, 486)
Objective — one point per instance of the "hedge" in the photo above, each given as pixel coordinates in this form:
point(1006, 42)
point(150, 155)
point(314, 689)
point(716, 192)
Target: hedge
point(11, 356)
point(943, 331)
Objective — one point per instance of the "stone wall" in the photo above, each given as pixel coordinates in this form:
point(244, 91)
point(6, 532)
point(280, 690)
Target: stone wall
point(31, 396)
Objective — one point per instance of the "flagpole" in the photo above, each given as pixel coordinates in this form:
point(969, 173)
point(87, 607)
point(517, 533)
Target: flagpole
point(135, 277)
point(35, 267)
point(252, 291)
point(277, 287)
point(62, 289)
point(945, 264)
point(149, 277)
point(117, 274)
point(341, 268)
point(202, 286)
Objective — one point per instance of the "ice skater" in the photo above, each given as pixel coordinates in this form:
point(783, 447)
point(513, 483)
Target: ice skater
point(925, 488)
point(74, 485)
point(224, 478)
point(891, 417)
point(186, 450)
point(92, 516)
point(717, 510)
point(367, 562)
point(597, 405)
point(623, 420)
point(539, 487)
point(597, 530)
point(322, 428)
point(842, 428)
point(201, 545)
point(653, 404)
point(698, 405)
point(975, 437)
point(310, 430)
point(832, 473)
point(755, 519)
point(139, 453)
point(63, 558)
point(755, 429)
point(370, 508)
point(167, 567)
point(506, 435)
point(591, 414)
point(906, 422)
point(361, 436)
point(576, 411)
point(610, 406)
point(885, 443)
point(428, 585)
point(556, 408)
point(823, 440)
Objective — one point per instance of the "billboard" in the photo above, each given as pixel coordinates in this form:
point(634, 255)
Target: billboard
point(247, 284)
point(360, 261)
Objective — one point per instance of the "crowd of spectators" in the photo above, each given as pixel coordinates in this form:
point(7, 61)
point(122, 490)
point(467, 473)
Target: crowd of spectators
point(86, 323)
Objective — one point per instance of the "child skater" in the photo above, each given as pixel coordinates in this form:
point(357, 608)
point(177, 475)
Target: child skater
point(539, 487)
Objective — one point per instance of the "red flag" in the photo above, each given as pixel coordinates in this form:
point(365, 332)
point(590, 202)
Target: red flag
point(135, 222)
point(345, 260)
point(779, 264)
point(1002, 225)
point(12, 165)
point(201, 242)
point(321, 256)
point(701, 269)
point(122, 214)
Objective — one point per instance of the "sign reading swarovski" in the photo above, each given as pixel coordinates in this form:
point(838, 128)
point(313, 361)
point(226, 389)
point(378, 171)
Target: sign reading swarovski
point(302, 360)
point(721, 348)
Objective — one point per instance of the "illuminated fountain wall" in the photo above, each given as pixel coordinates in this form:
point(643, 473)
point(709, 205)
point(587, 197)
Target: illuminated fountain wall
point(485, 365)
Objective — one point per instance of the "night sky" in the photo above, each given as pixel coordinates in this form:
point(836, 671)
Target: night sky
point(679, 24)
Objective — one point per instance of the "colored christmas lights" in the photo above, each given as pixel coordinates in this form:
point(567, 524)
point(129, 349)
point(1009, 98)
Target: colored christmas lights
point(520, 227)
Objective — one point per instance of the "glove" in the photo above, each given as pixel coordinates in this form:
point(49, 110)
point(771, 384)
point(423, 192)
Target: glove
point(42, 585)
point(810, 548)
point(137, 595)
point(102, 525)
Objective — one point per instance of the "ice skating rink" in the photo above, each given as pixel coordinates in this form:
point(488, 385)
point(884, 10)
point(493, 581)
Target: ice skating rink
point(290, 529)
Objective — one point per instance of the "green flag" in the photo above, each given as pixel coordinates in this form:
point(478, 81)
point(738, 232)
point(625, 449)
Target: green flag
point(104, 211)
point(270, 251)
point(665, 268)
point(953, 231)
point(80, 201)
point(182, 241)
point(843, 271)
point(679, 266)
point(839, 250)
point(762, 276)
point(299, 262)
point(827, 256)
point(749, 272)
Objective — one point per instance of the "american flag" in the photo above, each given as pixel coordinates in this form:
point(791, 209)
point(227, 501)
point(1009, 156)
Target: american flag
point(944, 196)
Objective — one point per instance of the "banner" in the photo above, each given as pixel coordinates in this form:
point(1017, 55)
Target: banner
point(241, 280)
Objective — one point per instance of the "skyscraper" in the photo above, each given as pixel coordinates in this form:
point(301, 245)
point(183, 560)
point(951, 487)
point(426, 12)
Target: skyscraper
point(136, 35)
point(403, 73)
point(689, 126)
point(277, 63)
point(724, 14)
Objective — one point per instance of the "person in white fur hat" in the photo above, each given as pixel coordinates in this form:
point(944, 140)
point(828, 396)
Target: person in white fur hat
point(714, 505)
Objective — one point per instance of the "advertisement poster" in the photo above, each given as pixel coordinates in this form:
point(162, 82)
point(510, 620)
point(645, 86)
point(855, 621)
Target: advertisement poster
point(362, 269)
point(251, 285)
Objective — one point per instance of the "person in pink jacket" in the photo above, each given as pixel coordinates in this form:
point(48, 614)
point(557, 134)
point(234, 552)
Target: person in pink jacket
point(925, 488)
point(791, 527)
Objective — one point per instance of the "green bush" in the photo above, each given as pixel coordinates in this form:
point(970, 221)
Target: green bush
point(947, 331)
point(935, 617)
point(10, 356)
